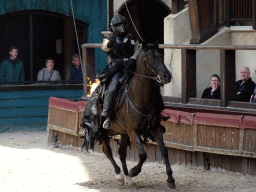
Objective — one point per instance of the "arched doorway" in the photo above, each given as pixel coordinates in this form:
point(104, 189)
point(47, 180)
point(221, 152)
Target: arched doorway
point(41, 35)
point(148, 17)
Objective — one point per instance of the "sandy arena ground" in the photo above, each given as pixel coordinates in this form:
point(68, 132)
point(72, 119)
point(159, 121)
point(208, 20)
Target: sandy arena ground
point(28, 164)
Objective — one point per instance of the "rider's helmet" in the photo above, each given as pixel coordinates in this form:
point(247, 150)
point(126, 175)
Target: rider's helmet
point(118, 20)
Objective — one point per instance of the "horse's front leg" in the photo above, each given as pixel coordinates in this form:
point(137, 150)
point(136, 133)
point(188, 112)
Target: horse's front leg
point(136, 140)
point(108, 152)
point(125, 141)
point(157, 133)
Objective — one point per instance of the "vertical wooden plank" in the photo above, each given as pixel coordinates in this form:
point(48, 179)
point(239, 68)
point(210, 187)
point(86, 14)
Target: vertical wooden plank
point(174, 156)
point(193, 158)
point(188, 59)
point(50, 136)
point(227, 13)
point(110, 11)
point(254, 14)
point(225, 162)
point(194, 20)
point(177, 6)
point(200, 159)
point(235, 164)
point(252, 165)
point(245, 165)
point(227, 76)
point(182, 157)
point(188, 158)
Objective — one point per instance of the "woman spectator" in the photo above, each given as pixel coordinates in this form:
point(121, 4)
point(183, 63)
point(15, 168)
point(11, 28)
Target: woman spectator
point(48, 73)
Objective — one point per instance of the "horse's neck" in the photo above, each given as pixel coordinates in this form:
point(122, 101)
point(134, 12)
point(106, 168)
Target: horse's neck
point(141, 88)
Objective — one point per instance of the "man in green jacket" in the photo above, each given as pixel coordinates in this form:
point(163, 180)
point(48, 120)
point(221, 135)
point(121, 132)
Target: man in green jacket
point(11, 69)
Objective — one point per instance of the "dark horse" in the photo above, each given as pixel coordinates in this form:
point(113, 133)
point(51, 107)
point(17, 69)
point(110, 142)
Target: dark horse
point(138, 119)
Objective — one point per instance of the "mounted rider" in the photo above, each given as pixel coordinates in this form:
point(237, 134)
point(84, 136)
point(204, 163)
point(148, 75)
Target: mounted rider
point(123, 49)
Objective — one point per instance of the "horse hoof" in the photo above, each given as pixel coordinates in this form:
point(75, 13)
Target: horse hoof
point(120, 179)
point(131, 174)
point(129, 181)
point(171, 185)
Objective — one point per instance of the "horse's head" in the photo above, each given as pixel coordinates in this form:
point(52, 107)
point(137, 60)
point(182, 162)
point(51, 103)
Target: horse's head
point(153, 63)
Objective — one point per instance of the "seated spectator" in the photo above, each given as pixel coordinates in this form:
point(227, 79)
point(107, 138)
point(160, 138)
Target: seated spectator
point(245, 86)
point(213, 92)
point(253, 97)
point(76, 76)
point(11, 69)
point(48, 73)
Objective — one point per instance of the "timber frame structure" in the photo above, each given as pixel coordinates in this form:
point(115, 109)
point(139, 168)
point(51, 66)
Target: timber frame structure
point(207, 16)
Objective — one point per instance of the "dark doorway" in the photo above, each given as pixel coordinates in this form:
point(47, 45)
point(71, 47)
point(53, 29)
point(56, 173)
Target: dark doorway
point(41, 35)
point(148, 17)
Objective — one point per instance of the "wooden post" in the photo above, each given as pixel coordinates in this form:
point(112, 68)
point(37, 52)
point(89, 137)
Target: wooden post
point(110, 11)
point(177, 6)
point(227, 13)
point(88, 67)
point(227, 76)
point(254, 14)
point(188, 60)
point(201, 15)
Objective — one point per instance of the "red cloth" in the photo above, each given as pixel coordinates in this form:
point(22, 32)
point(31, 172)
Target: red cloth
point(249, 122)
point(218, 120)
point(63, 104)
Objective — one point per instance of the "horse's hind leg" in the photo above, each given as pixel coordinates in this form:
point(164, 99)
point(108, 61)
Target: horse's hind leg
point(159, 138)
point(125, 141)
point(136, 140)
point(108, 152)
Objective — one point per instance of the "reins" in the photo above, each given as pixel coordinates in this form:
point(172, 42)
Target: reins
point(149, 117)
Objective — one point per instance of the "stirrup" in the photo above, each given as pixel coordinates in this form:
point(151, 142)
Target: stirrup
point(106, 124)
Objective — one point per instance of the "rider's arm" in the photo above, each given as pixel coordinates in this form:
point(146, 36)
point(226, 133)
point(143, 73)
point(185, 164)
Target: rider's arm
point(137, 50)
point(104, 45)
point(108, 43)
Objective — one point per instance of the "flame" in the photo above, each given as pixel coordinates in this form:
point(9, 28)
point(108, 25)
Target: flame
point(92, 86)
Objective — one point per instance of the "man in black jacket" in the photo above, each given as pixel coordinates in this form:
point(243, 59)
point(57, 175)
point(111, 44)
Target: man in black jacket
point(76, 76)
point(245, 86)
point(213, 92)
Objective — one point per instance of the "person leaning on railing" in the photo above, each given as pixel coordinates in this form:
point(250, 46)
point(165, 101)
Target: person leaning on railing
point(48, 74)
point(212, 92)
point(245, 86)
point(11, 69)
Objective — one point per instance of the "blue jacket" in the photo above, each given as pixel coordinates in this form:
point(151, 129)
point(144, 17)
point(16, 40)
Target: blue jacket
point(11, 71)
point(76, 76)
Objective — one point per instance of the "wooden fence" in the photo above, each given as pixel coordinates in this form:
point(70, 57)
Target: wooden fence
point(224, 141)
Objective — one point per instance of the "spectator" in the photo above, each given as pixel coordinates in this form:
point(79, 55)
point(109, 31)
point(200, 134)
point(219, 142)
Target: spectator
point(76, 76)
point(48, 73)
point(11, 69)
point(245, 86)
point(213, 92)
point(253, 97)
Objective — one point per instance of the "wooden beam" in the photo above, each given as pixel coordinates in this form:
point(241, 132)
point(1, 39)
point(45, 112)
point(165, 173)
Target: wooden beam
point(188, 60)
point(194, 21)
point(253, 14)
point(227, 76)
point(177, 6)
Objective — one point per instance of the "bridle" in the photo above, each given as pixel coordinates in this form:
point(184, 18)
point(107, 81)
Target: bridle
point(157, 78)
